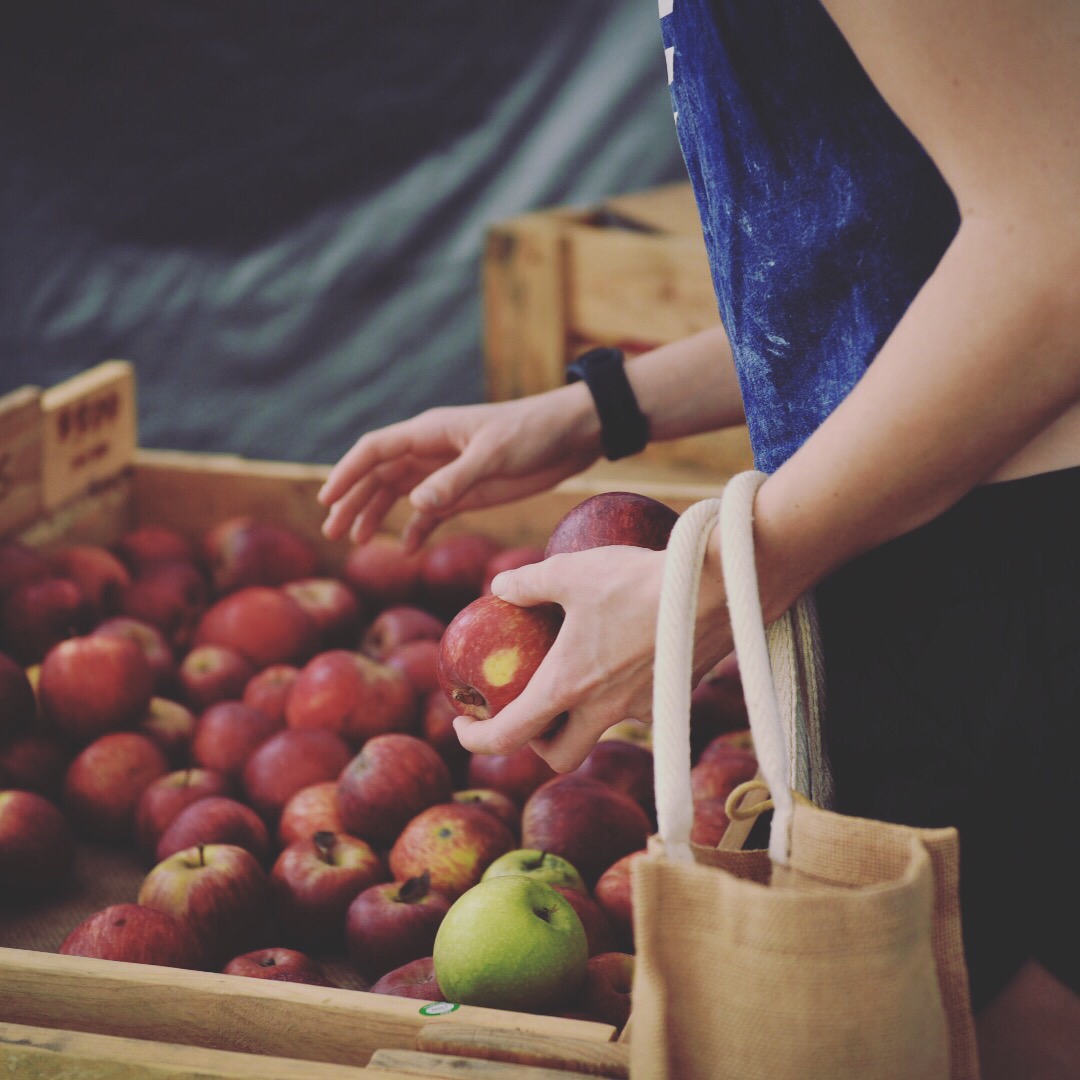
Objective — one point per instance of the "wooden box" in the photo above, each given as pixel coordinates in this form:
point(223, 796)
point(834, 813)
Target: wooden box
point(631, 273)
point(70, 471)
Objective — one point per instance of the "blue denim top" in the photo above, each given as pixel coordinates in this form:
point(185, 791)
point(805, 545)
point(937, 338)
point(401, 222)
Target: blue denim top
point(822, 215)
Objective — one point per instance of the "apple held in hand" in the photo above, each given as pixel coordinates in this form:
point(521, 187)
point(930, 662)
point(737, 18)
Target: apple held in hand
point(90, 686)
point(37, 850)
point(490, 651)
point(454, 843)
point(613, 518)
point(314, 881)
point(511, 943)
point(220, 890)
point(387, 784)
point(390, 924)
point(542, 865)
point(135, 934)
point(278, 965)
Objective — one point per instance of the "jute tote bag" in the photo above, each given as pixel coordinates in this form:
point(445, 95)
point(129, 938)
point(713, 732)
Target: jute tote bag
point(835, 954)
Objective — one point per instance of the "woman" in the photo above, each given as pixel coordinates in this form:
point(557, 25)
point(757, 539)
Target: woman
point(889, 193)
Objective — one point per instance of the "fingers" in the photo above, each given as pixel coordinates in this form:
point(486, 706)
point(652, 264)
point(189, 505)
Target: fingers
point(370, 450)
point(529, 585)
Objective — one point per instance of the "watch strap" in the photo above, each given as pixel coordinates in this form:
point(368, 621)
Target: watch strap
point(624, 428)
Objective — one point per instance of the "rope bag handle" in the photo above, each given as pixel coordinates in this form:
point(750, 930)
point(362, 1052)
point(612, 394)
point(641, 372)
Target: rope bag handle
point(784, 695)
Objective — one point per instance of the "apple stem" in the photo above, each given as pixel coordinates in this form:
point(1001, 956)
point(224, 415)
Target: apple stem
point(324, 841)
point(202, 857)
point(535, 864)
point(416, 888)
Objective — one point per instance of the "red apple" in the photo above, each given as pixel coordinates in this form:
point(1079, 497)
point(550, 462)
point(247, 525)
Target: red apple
point(516, 775)
point(415, 979)
point(598, 929)
point(268, 690)
point(609, 980)
point(97, 571)
point(332, 607)
point(454, 843)
point(717, 706)
point(312, 809)
point(158, 652)
point(614, 894)
point(172, 726)
point(586, 822)
point(437, 728)
point(352, 695)
point(38, 615)
point(105, 782)
point(135, 934)
point(509, 559)
point(613, 518)
point(147, 544)
point(213, 673)
point(265, 625)
point(717, 775)
point(381, 573)
point(391, 780)
point(721, 746)
point(392, 924)
point(710, 822)
point(20, 564)
point(221, 892)
point(315, 880)
point(165, 797)
point(169, 595)
point(18, 705)
point(227, 734)
point(490, 650)
point(242, 551)
point(288, 762)
point(215, 819)
point(37, 850)
point(624, 766)
point(36, 762)
point(278, 965)
point(93, 685)
point(452, 570)
point(418, 661)
point(396, 625)
point(494, 802)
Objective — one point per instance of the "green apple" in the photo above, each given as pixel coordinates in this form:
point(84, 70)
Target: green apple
point(542, 865)
point(511, 942)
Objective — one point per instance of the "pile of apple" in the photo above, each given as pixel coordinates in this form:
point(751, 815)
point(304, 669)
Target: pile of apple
point(277, 744)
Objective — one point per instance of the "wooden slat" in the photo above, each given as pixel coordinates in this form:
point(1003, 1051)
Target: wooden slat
point(20, 458)
point(48, 1054)
point(524, 289)
point(89, 430)
point(223, 1012)
point(587, 1058)
point(446, 1066)
point(625, 285)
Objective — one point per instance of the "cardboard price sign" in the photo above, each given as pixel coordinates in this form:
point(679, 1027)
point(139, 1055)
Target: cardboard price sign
point(20, 458)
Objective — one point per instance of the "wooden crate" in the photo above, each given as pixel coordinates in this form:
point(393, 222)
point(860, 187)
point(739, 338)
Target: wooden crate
point(70, 471)
point(631, 273)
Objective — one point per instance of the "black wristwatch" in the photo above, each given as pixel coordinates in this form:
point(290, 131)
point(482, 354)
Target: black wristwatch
point(624, 428)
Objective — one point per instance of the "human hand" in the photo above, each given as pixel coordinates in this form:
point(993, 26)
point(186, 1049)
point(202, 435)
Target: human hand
point(600, 669)
point(459, 458)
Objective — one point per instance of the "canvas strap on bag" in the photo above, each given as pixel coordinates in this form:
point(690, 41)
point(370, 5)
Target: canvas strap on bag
point(836, 954)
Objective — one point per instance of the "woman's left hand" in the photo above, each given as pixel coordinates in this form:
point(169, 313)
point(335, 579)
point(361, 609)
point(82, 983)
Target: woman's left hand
point(600, 668)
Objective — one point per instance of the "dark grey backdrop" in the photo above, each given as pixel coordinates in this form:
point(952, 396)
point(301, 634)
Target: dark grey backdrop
point(276, 209)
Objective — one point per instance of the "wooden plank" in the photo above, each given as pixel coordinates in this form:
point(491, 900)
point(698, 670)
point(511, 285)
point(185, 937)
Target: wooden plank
point(632, 286)
point(587, 1058)
point(222, 1012)
point(48, 1054)
point(89, 431)
point(446, 1067)
point(670, 208)
point(524, 291)
point(20, 458)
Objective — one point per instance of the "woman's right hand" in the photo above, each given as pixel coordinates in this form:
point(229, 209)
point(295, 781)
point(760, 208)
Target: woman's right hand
point(456, 458)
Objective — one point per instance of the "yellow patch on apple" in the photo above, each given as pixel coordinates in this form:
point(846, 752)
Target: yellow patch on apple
point(501, 666)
